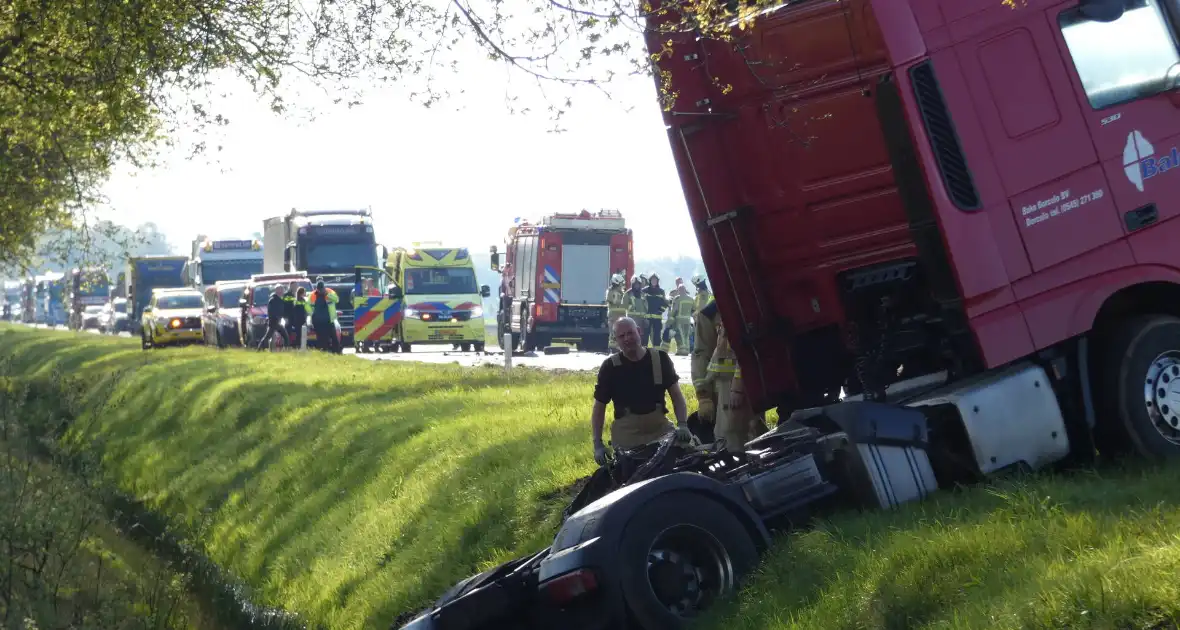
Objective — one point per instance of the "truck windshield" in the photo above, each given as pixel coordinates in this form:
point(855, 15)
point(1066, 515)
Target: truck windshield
point(336, 257)
point(120, 307)
point(179, 301)
point(222, 270)
point(440, 281)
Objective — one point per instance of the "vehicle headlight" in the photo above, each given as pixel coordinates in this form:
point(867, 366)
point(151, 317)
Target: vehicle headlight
point(175, 323)
point(477, 311)
point(411, 312)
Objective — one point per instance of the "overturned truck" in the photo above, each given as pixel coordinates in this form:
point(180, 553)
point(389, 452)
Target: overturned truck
point(941, 243)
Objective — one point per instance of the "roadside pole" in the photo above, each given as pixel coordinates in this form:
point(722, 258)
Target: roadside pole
point(506, 345)
point(303, 339)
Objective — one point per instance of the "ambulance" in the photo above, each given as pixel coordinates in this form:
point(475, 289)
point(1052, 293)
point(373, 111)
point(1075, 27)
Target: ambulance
point(443, 302)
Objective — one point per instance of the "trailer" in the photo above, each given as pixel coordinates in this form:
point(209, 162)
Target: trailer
point(941, 245)
point(89, 286)
point(216, 260)
point(555, 275)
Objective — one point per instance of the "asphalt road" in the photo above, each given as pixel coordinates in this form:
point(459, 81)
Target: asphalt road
point(493, 355)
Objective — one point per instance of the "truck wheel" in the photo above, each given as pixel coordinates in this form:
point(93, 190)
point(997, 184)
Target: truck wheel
point(679, 556)
point(1142, 388)
point(479, 348)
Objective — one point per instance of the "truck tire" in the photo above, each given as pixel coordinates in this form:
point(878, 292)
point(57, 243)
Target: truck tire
point(1140, 388)
point(680, 553)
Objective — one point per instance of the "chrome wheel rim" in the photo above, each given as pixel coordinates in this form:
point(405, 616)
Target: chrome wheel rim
point(1162, 395)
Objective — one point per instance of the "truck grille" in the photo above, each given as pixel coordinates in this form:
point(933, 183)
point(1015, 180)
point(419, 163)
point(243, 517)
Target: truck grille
point(952, 163)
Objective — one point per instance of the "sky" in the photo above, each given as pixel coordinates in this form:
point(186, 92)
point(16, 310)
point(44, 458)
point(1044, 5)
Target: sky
point(460, 177)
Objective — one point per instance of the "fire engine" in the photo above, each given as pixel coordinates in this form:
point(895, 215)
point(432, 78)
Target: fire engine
point(555, 276)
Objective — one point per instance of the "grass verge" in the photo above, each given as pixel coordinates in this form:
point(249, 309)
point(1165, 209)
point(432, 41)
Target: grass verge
point(346, 491)
point(422, 474)
point(63, 563)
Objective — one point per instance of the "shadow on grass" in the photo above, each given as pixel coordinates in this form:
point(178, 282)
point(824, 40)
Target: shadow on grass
point(347, 491)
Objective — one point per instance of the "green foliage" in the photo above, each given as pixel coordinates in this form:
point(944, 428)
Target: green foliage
point(86, 83)
point(63, 564)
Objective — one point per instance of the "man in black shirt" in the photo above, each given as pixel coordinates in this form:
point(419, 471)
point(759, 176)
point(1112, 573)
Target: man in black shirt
point(276, 310)
point(635, 381)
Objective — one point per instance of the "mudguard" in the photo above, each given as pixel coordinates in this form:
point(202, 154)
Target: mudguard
point(590, 537)
point(867, 422)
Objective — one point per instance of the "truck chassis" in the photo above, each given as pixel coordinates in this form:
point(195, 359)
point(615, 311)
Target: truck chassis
point(664, 531)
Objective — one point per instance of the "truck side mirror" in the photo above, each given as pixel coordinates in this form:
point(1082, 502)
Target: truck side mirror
point(394, 292)
point(495, 259)
point(485, 291)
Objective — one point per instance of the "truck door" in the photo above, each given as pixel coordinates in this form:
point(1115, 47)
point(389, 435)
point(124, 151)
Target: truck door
point(378, 305)
point(1124, 64)
point(525, 282)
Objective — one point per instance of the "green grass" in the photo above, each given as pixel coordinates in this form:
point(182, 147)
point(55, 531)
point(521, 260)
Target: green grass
point(422, 474)
point(347, 491)
point(1087, 550)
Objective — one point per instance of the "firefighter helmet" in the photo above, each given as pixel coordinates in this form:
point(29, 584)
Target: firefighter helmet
point(616, 279)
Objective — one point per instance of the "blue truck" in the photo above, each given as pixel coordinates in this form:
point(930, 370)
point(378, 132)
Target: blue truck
point(151, 272)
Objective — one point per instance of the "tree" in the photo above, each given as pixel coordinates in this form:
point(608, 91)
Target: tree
point(86, 83)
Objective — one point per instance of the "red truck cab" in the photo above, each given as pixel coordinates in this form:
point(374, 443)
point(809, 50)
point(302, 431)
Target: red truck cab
point(891, 189)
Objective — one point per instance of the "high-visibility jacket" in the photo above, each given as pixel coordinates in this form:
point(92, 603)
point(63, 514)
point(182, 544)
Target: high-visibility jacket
point(723, 363)
point(657, 301)
point(616, 302)
point(331, 300)
point(705, 331)
point(702, 299)
point(682, 308)
point(636, 303)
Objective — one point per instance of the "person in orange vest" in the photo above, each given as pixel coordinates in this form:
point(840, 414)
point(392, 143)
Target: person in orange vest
point(322, 308)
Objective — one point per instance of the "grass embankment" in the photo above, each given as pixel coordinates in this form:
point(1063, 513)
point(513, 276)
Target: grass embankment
point(344, 490)
point(425, 473)
point(63, 563)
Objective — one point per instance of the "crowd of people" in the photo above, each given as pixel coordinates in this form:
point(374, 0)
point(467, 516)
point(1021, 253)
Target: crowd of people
point(288, 310)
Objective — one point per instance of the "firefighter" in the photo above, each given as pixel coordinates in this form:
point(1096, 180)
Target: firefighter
point(702, 299)
point(734, 419)
point(635, 380)
point(616, 305)
point(657, 303)
point(679, 320)
point(322, 308)
point(705, 325)
point(636, 303)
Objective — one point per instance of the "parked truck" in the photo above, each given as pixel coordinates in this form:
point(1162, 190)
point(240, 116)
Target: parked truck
point(88, 286)
point(555, 276)
point(324, 243)
point(145, 273)
point(941, 245)
point(216, 260)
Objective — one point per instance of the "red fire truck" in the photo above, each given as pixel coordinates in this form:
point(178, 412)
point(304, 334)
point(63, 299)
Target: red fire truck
point(555, 276)
point(941, 244)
